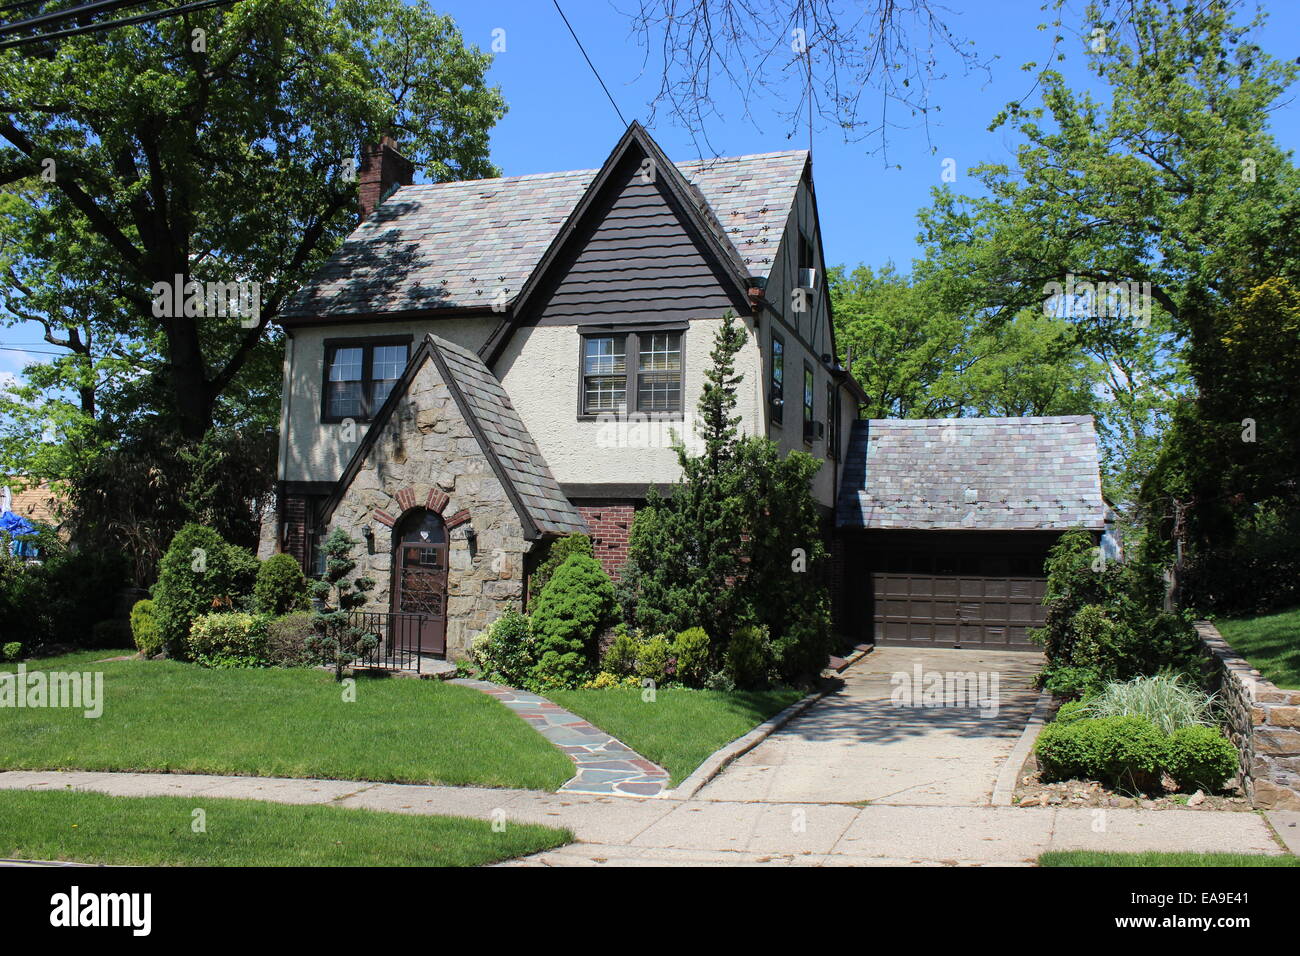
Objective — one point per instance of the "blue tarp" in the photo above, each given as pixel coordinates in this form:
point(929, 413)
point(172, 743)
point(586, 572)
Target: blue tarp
point(15, 524)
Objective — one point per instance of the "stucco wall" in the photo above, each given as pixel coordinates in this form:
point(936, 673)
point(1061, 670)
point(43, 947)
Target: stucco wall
point(315, 451)
point(427, 447)
point(807, 337)
point(540, 371)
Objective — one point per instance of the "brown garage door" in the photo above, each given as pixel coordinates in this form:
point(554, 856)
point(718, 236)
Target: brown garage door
point(955, 590)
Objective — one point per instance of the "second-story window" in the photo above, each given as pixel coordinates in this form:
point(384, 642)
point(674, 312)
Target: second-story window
point(651, 382)
point(776, 389)
point(359, 375)
point(808, 389)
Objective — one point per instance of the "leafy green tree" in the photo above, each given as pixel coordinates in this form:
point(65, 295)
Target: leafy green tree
point(226, 155)
point(1171, 179)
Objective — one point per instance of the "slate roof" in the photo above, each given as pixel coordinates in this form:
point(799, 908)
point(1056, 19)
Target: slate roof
point(974, 474)
point(489, 410)
point(453, 245)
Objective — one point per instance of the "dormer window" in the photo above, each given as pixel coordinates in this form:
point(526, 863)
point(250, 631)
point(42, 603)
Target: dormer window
point(360, 375)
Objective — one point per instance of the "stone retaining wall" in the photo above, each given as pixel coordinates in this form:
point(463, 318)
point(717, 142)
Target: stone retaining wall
point(1264, 724)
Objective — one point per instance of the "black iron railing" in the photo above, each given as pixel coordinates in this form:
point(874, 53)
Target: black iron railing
point(399, 639)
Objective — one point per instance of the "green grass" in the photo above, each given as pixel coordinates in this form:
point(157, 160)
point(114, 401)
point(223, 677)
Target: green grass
point(680, 728)
point(1271, 642)
point(158, 831)
point(1095, 858)
point(277, 722)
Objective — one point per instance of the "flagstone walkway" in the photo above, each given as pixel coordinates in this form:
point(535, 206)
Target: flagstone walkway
point(605, 764)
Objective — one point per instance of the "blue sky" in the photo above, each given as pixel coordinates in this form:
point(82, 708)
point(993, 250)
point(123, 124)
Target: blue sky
point(560, 119)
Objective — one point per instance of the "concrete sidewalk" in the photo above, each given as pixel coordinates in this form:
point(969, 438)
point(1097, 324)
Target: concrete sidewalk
point(623, 831)
point(856, 746)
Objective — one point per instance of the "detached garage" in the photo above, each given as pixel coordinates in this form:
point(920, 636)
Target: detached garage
point(945, 525)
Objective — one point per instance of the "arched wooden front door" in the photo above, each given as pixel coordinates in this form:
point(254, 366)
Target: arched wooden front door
point(420, 583)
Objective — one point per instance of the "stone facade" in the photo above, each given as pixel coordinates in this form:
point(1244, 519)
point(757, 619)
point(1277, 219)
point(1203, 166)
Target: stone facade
point(428, 457)
point(1264, 724)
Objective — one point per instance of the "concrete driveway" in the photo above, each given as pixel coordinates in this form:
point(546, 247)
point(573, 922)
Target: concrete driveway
point(857, 746)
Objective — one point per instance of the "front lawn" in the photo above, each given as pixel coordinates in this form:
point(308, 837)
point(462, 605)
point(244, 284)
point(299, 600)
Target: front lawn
point(1097, 858)
point(681, 727)
point(276, 722)
point(1271, 642)
point(159, 831)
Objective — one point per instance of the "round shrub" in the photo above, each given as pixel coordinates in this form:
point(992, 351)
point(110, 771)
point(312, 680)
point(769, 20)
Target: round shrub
point(576, 603)
point(195, 576)
point(655, 660)
point(1071, 711)
point(228, 639)
point(559, 552)
point(748, 661)
point(507, 652)
point(1200, 757)
point(1126, 752)
point(244, 568)
point(620, 656)
point(691, 649)
point(11, 651)
point(287, 640)
point(281, 586)
point(144, 628)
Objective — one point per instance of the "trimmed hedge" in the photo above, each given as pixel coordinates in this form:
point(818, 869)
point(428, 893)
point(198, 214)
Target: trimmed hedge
point(281, 586)
point(574, 607)
point(144, 628)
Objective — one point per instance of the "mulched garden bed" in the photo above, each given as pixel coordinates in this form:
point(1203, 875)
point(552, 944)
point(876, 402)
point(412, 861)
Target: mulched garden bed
point(1032, 791)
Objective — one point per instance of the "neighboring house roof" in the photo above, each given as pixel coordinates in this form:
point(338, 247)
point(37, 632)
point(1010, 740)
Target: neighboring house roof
point(36, 503)
point(976, 474)
point(454, 245)
point(509, 448)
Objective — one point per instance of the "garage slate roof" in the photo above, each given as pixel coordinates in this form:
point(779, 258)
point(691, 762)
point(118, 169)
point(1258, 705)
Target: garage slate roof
point(506, 443)
point(973, 474)
point(454, 245)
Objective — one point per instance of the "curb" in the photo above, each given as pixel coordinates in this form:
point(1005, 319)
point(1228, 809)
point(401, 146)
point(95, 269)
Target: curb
point(721, 759)
point(1005, 789)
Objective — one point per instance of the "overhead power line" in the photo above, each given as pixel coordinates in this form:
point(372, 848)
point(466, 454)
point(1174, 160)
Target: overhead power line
point(112, 24)
point(589, 63)
point(88, 8)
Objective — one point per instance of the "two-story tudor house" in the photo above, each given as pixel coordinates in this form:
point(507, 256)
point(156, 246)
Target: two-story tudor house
point(485, 365)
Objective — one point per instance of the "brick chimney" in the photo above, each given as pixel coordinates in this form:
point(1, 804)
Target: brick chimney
point(382, 168)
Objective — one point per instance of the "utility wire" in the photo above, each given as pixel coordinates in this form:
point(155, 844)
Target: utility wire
point(67, 13)
point(589, 63)
point(128, 21)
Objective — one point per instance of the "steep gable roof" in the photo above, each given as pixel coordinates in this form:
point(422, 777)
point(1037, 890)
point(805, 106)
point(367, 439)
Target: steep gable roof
point(454, 245)
point(975, 474)
point(505, 441)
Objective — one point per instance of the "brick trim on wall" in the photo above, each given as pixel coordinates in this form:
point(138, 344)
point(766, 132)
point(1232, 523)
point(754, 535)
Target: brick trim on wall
point(1263, 722)
point(610, 523)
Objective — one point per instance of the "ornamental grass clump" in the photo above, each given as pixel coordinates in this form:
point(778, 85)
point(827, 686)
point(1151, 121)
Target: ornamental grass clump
point(1165, 700)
